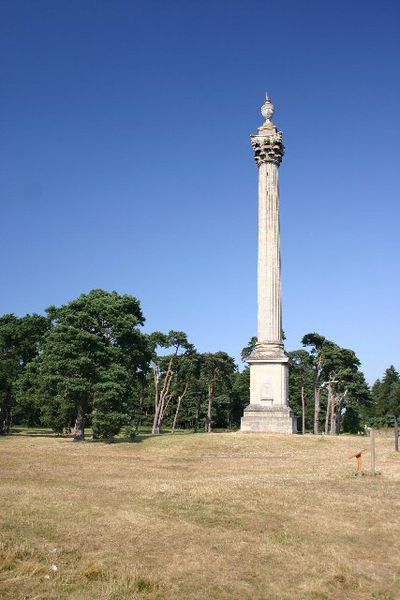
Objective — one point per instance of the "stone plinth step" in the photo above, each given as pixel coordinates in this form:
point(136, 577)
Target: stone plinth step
point(268, 419)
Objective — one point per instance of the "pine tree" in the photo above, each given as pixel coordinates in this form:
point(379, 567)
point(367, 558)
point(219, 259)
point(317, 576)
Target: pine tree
point(21, 340)
point(385, 396)
point(92, 358)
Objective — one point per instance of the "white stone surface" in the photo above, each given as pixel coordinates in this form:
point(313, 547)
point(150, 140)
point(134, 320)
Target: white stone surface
point(258, 419)
point(271, 375)
point(269, 259)
point(268, 410)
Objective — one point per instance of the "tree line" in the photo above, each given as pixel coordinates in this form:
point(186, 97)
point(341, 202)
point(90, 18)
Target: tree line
point(88, 363)
point(330, 392)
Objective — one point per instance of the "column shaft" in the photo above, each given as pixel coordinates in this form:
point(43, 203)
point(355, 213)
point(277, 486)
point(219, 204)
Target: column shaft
point(269, 262)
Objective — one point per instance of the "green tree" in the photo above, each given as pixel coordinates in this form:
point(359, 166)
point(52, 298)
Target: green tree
point(316, 342)
point(91, 360)
point(338, 384)
point(247, 350)
point(216, 375)
point(301, 379)
point(188, 373)
point(165, 370)
point(385, 394)
point(394, 401)
point(357, 403)
point(347, 391)
point(239, 396)
point(21, 340)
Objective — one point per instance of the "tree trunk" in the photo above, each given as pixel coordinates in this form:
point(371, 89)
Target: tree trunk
point(163, 410)
point(160, 413)
point(176, 415)
point(161, 397)
point(155, 430)
point(197, 415)
point(338, 420)
point(396, 435)
point(80, 420)
point(209, 406)
point(334, 413)
point(317, 404)
point(339, 405)
point(178, 407)
point(156, 402)
point(303, 411)
point(6, 413)
point(328, 409)
point(317, 393)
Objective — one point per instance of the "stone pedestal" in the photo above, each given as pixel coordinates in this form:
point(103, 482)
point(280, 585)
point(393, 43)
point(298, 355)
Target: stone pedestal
point(268, 411)
point(268, 419)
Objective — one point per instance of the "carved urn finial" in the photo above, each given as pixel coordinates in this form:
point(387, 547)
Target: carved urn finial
point(267, 109)
point(268, 143)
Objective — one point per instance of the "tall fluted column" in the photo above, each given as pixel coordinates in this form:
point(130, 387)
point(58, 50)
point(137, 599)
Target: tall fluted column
point(268, 410)
point(269, 259)
point(268, 152)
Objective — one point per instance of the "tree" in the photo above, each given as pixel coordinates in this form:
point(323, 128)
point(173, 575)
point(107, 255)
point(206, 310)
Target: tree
point(382, 391)
point(357, 403)
point(338, 384)
point(394, 408)
point(301, 377)
point(316, 342)
point(334, 361)
point(347, 390)
point(386, 397)
point(216, 374)
point(239, 396)
point(247, 350)
point(90, 362)
point(394, 400)
point(21, 340)
point(188, 373)
point(165, 370)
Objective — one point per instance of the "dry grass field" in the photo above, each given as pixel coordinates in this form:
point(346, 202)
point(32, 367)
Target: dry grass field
point(191, 517)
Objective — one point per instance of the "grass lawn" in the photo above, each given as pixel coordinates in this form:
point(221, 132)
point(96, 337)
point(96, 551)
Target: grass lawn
point(225, 516)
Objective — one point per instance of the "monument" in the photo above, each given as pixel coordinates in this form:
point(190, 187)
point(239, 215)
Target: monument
point(268, 410)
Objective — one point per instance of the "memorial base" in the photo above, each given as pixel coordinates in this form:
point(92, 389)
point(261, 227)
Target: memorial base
point(268, 419)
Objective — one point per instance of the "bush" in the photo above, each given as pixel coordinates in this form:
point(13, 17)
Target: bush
point(107, 425)
point(129, 431)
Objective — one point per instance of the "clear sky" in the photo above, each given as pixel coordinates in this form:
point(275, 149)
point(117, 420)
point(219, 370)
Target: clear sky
point(125, 162)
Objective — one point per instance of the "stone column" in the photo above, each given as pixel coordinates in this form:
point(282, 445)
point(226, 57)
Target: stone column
point(268, 409)
point(269, 272)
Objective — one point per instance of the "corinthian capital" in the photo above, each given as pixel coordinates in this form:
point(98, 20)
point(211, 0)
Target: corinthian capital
point(268, 148)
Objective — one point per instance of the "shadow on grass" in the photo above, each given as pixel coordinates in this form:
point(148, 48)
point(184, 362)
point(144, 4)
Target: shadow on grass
point(32, 430)
point(141, 436)
point(48, 433)
point(37, 432)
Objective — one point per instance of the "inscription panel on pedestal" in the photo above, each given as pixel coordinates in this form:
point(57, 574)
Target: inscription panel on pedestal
point(266, 395)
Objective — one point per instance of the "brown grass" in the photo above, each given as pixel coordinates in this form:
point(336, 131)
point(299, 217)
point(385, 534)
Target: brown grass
point(190, 517)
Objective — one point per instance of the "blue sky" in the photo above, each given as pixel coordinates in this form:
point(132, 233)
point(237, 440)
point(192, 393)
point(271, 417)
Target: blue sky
point(125, 163)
